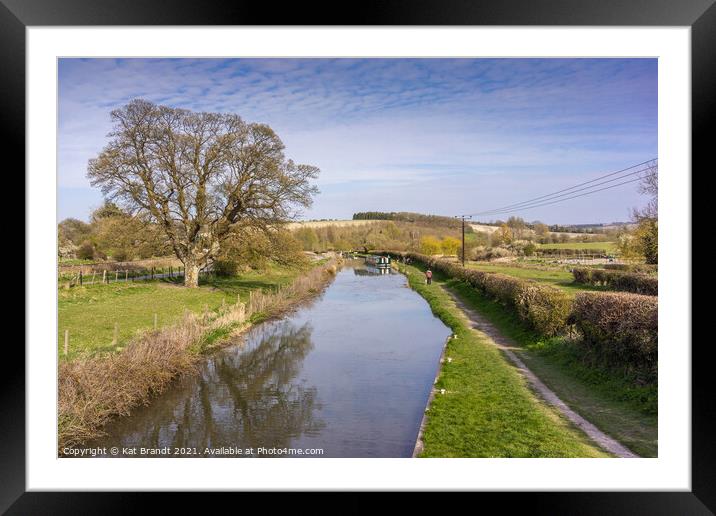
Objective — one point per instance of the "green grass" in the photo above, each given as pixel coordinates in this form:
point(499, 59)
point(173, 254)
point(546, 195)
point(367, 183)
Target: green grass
point(615, 404)
point(608, 246)
point(488, 409)
point(557, 278)
point(74, 261)
point(90, 312)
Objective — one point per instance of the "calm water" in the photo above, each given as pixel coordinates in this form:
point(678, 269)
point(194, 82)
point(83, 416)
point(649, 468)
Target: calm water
point(349, 374)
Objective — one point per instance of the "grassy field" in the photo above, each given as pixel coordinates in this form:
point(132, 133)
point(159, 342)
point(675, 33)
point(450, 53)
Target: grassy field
point(609, 246)
point(90, 312)
point(558, 278)
point(488, 410)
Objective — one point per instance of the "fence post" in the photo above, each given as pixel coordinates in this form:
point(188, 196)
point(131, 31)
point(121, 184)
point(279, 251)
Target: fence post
point(126, 275)
point(151, 274)
point(104, 276)
point(80, 277)
point(67, 341)
point(116, 276)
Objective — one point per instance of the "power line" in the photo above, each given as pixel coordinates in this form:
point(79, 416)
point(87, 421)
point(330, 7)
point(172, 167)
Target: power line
point(534, 202)
point(573, 197)
point(550, 197)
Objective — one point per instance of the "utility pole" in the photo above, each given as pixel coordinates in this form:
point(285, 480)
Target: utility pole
point(463, 217)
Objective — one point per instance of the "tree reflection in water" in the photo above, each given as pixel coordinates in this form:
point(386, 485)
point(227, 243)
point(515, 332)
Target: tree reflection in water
point(242, 397)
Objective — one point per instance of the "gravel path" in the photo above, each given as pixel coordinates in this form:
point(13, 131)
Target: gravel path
point(481, 324)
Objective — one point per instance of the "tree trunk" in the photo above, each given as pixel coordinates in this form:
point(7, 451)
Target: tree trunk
point(191, 274)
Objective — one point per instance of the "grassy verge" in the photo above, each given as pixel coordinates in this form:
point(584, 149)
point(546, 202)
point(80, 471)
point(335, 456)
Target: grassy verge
point(96, 387)
point(614, 403)
point(557, 278)
point(91, 312)
point(487, 409)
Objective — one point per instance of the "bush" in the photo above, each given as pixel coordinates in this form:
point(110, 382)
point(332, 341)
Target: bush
point(492, 253)
point(226, 267)
point(634, 282)
point(85, 251)
point(619, 328)
point(545, 308)
point(120, 255)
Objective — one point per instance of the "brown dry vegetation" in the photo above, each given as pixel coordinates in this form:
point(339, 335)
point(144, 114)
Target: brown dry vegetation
point(93, 390)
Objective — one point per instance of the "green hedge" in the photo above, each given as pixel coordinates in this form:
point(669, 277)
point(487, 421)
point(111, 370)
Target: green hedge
point(634, 282)
point(543, 307)
point(540, 251)
point(618, 328)
point(621, 328)
point(649, 268)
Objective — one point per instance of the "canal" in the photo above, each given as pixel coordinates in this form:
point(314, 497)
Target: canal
point(347, 375)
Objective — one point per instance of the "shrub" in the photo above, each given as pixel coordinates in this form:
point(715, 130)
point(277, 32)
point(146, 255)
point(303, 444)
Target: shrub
point(492, 253)
point(226, 267)
point(85, 251)
point(545, 308)
point(634, 282)
point(120, 255)
point(620, 328)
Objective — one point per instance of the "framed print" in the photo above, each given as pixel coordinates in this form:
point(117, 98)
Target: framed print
point(419, 250)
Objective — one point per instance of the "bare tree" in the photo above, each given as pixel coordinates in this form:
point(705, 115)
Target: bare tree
point(649, 185)
point(198, 175)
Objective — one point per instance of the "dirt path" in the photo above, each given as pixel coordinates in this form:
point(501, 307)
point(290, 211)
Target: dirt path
point(482, 325)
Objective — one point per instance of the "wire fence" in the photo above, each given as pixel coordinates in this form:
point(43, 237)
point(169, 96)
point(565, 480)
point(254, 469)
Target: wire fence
point(105, 276)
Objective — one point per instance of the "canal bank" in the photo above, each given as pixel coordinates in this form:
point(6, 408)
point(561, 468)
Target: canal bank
point(349, 374)
point(94, 390)
point(483, 406)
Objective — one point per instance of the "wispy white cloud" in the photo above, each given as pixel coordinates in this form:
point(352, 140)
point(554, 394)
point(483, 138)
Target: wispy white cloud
point(444, 135)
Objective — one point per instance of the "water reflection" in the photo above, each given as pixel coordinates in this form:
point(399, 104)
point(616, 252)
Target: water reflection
point(348, 374)
point(244, 396)
point(372, 271)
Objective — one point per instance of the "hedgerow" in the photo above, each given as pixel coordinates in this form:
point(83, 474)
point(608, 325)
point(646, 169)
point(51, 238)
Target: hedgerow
point(543, 307)
point(540, 251)
point(618, 280)
point(647, 268)
point(619, 328)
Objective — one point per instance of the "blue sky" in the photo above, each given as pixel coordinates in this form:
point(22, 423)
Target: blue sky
point(442, 136)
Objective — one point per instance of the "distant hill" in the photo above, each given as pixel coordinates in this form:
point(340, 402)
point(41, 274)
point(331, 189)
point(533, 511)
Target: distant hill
point(405, 216)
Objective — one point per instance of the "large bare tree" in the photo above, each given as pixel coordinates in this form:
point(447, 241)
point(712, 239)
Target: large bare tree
point(198, 175)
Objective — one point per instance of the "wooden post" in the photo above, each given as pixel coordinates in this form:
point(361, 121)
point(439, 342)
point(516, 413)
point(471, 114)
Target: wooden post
point(104, 276)
point(116, 276)
point(67, 341)
point(155, 320)
point(238, 299)
point(80, 277)
point(116, 334)
point(126, 276)
point(151, 275)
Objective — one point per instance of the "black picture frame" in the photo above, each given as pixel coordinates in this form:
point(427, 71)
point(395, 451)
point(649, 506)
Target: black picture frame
point(700, 15)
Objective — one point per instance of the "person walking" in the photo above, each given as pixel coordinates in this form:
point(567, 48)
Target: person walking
point(429, 276)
